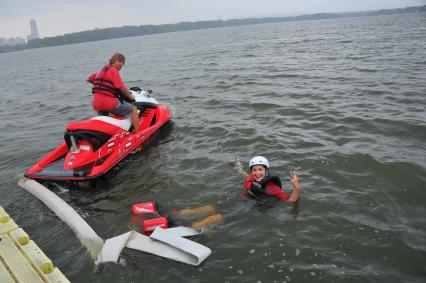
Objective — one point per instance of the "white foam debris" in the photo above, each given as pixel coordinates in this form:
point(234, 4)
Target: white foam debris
point(122, 261)
point(297, 252)
point(252, 251)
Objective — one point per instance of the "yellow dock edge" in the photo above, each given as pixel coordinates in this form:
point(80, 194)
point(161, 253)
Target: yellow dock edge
point(21, 260)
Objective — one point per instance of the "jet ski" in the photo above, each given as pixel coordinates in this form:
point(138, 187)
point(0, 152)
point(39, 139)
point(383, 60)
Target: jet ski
point(93, 147)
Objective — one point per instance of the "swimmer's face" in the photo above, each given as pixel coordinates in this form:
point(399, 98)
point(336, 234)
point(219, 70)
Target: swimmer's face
point(258, 172)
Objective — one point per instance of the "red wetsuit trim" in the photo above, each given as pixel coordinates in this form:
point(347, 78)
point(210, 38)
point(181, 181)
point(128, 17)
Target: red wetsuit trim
point(247, 182)
point(275, 191)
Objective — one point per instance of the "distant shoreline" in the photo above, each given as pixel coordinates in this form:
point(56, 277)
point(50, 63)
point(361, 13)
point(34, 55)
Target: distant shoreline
point(129, 31)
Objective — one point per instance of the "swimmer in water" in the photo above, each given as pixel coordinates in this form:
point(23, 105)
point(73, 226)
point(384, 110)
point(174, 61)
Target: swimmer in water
point(260, 183)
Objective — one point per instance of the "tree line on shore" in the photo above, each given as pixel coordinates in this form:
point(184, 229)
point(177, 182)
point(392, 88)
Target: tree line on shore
point(128, 31)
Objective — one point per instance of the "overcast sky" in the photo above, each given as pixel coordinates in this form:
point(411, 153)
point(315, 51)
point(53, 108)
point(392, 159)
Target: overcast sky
point(57, 17)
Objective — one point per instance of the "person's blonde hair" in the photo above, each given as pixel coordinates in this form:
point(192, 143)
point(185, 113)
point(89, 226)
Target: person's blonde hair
point(117, 57)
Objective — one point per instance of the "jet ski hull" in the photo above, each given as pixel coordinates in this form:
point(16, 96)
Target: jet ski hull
point(93, 147)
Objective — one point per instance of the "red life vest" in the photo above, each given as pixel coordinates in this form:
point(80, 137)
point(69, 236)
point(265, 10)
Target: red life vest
point(103, 85)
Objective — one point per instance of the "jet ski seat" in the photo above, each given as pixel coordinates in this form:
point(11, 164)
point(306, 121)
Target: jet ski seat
point(104, 124)
point(103, 113)
point(96, 131)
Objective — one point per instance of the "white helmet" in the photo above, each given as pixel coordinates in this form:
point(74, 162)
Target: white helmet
point(259, 160)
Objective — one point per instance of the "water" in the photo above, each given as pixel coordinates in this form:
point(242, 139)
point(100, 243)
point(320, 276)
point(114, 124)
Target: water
point(342, 101)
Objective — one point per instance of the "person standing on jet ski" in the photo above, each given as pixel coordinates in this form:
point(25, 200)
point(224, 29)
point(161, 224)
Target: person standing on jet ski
point(107, 84)
point(261, 184)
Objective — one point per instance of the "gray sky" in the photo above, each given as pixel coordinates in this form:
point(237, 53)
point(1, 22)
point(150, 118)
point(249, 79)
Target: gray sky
point(56, 17)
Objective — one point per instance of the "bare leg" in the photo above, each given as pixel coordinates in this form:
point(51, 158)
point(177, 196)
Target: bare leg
point(135, 119)
point(207, 221)
point(202, 209)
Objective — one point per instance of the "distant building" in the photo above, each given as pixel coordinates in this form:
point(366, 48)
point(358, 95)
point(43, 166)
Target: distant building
point(34, 31)
point(19, 40)
point(11, 41)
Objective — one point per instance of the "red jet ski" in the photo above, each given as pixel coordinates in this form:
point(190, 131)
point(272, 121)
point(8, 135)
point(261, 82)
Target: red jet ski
point(93, 147)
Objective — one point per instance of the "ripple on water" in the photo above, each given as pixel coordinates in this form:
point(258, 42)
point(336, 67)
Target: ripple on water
point(321, 97)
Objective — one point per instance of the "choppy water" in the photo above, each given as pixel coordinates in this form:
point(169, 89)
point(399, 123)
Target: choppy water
point(343, 101)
